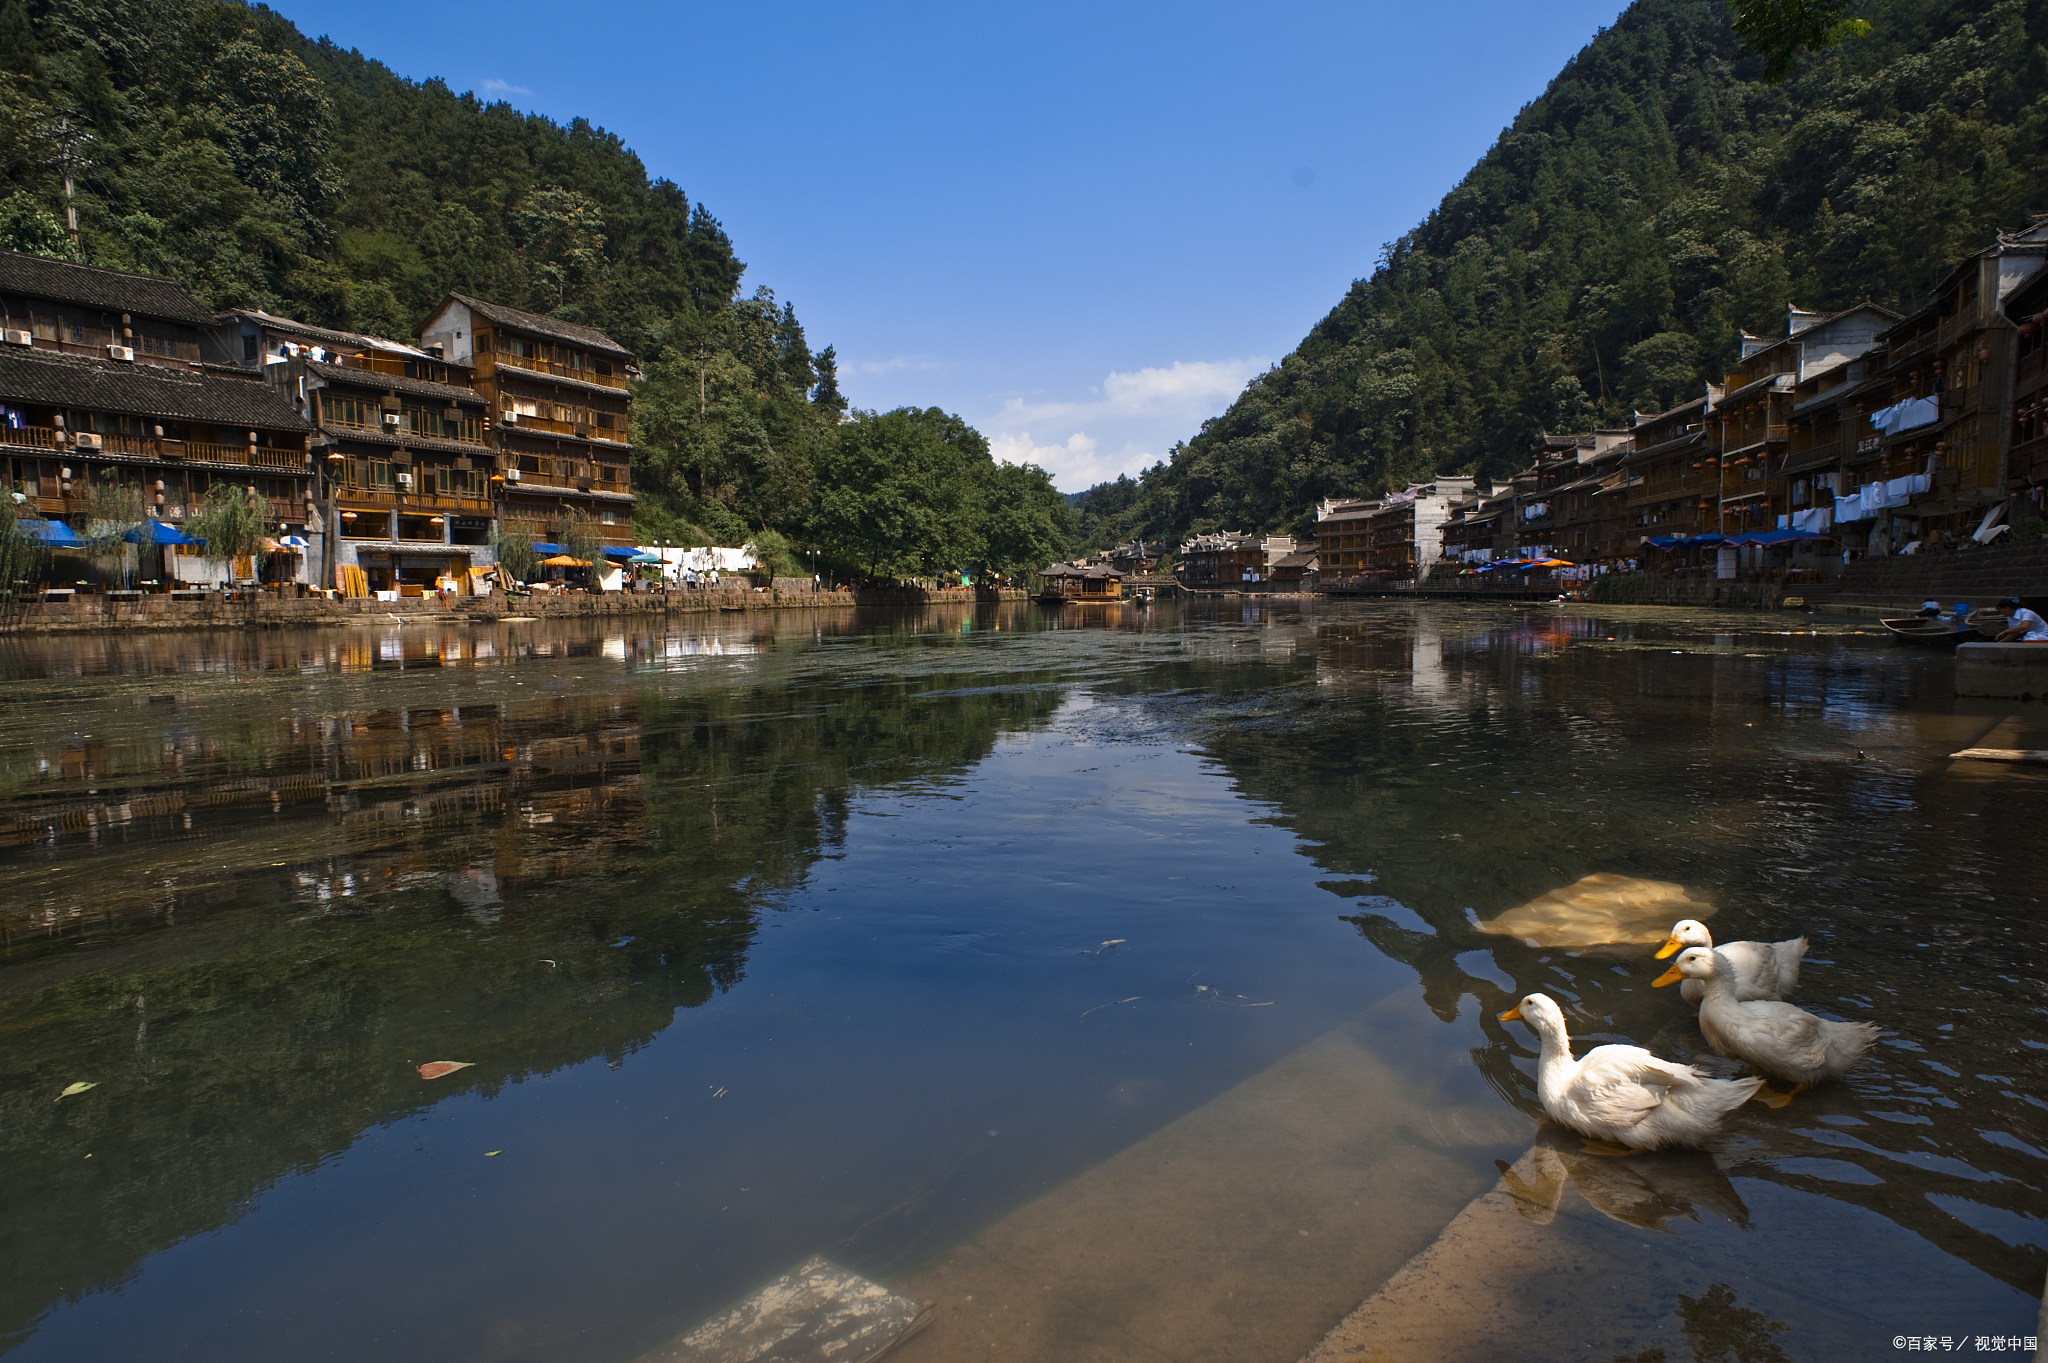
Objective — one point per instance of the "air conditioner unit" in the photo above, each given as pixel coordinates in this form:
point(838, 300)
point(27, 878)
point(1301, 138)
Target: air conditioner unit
point(87, 440)
point(405, 480)
point(120, 352)
point(391, 418)
point(511, 475)
point(19, 337)
point(511, 418)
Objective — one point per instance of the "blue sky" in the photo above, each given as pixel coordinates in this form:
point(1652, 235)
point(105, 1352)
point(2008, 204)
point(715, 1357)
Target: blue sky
point(1081, 227)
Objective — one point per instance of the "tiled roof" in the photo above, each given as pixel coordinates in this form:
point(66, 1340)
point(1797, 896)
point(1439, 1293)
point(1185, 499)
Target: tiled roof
point(545, 326)
point(341, 339)
point(394, 383)
point(89, 286)
point(151, 390)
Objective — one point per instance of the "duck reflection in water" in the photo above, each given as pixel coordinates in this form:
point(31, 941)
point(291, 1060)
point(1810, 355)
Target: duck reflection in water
point(1647, 1190)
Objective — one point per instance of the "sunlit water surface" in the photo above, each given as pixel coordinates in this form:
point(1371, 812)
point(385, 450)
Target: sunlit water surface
point(849, 934)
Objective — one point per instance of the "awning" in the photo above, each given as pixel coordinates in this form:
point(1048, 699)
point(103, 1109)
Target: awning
point(297, 542)
point(156, 532)
point(624, 555)
point(54, 533)
point(1686, 541)
point(1776, 537)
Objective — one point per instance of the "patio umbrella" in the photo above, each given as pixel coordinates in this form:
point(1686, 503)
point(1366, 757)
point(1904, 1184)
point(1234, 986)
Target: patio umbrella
point(645, 558)
point(53, 533)
point(564, 561)
point(156, 532)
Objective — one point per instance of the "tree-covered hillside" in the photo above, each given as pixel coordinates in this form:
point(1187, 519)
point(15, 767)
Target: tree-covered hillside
point(1603, 257)
point(213, 142)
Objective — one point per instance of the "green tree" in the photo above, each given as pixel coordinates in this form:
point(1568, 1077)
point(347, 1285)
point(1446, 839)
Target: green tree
point(27, 226)
point(579, 536)
point(512, 546)
point(1781, 31)
point(114, 510)
point(234, 522)
point(22, 557)
point(1027, 524)
point(901, 494)
point(562, 232)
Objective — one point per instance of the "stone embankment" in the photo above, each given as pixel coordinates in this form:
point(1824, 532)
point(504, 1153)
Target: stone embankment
point(84, 614)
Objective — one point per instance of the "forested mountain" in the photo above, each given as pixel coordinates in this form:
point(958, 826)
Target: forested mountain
point(213, 142)
point(1605, 254)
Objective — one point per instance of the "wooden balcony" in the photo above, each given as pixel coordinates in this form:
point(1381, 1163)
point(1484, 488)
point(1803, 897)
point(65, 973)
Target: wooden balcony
point(533, 364)
point(147, 447)
point(547, 482)
point(553, 427)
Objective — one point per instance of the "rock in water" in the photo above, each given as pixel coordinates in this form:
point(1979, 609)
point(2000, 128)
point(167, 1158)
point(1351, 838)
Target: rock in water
point(1603, 909)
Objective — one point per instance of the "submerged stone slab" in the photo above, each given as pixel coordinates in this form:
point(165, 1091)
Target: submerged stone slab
point(820, 1313)
point(1603, 909)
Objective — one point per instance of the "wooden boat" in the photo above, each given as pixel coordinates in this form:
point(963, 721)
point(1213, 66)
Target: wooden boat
point(1938, 631)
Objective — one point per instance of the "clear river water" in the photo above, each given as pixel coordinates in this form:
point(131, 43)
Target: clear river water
point(1110, 980)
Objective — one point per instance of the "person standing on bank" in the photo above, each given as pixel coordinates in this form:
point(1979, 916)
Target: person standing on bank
point(2021, 625)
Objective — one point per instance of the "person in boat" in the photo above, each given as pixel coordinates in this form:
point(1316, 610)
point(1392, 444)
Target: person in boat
point(2022, 626)
point(1929, 609)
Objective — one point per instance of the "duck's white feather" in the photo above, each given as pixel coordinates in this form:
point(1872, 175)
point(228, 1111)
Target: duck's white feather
point(1624, 1094)
point(1763, 970)
point(1778, 1038)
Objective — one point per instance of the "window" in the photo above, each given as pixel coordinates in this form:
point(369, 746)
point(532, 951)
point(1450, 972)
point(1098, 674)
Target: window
point(483, 343)
point(44, 325)
point(380, 475)
point(611, 518)
point(250, 345)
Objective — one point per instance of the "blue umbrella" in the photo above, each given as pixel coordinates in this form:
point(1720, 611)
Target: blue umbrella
point(54, 533)
point(156, 532)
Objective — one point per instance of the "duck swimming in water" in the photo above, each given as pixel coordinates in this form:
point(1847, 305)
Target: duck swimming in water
point(1624, 1094)
point(1777, 1038)
point(1763, 970)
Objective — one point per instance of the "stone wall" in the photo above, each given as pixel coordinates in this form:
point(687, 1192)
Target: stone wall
point(1970, 573)
point(88, 613)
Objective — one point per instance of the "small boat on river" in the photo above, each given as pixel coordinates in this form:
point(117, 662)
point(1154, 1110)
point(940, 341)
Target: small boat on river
point(1930, 631)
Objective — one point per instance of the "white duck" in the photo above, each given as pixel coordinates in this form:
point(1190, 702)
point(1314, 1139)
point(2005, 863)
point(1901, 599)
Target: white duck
point(1777, 1038)
point(1624, 1094)
point(1763, 970)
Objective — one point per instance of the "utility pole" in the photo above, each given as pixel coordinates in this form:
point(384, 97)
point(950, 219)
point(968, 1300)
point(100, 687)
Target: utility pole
point(68, 136)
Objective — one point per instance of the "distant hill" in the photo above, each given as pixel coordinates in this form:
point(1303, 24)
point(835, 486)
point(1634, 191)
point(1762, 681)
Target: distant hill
point(261, 168)
point(1605, 254)
point(215, 143)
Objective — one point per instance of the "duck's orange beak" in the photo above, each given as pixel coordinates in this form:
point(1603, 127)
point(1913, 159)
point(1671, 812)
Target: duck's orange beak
point(1513, 1014)
point(1670, 976)
point(1672, 946)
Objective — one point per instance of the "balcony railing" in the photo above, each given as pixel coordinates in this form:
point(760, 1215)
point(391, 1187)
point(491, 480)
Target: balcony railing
point(30, 437)
point(552, 481)
point(398, 432)
point(144, 447)
point(534, 364)
point(583, 432)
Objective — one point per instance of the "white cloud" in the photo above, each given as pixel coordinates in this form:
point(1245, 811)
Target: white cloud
point(501, 88)
point(1199, 388)
point(1148, 408)
point(1072, 463)
point(897, 364)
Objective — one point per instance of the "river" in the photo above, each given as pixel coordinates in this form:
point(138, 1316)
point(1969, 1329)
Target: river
point(879, 935)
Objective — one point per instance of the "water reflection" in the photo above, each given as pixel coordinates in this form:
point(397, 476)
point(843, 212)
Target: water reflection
point(535, 845)
point(339, 848)
point(1472, 765)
